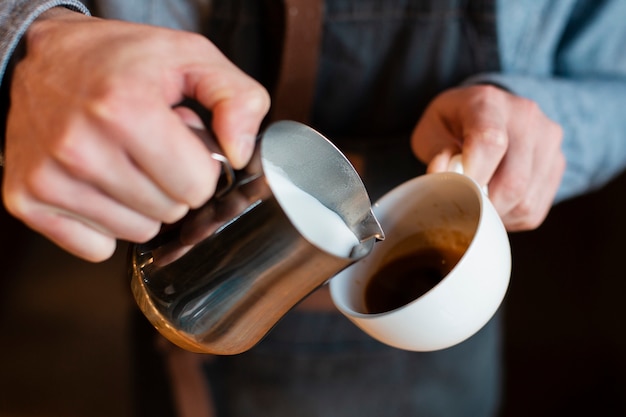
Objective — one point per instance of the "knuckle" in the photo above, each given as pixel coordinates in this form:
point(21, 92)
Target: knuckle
point(192, 194)
point(528, 106)
point(74, 153)
point(194, 41)
point(42, 192)
point(527, 110)
point(259, 98)
point(487, 95)
point(487, 91)
point(38, 185)
point(529, 216)
point(198, 194)
point(514, 187)
point(199, 189)
point(175, 213)
point(524, 210)
point(35, 187)
point(69, 151)
point(112, 103)
point(16, 204)
point(491, 137)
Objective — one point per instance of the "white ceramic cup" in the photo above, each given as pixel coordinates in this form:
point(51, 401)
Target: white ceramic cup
point(446, 209)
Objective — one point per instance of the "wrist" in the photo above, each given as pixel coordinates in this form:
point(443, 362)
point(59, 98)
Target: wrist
point(17, 52)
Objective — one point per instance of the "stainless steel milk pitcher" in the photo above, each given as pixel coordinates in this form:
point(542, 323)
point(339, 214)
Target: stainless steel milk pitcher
point(221, 278)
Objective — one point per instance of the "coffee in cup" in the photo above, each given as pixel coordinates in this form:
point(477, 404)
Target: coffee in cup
point(412, 268)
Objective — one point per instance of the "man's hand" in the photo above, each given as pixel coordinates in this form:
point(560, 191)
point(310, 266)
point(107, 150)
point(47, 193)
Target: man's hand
point(95, 150)
point(506, 142)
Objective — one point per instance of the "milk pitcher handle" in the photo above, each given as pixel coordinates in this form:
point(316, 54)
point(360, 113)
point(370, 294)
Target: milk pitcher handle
point(228, 177)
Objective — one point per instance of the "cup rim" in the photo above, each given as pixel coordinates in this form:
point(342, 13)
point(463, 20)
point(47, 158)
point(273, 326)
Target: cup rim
point(386, 200)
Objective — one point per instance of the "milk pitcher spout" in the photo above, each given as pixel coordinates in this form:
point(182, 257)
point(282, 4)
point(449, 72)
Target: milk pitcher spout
point(218, 280)
point(370, 228)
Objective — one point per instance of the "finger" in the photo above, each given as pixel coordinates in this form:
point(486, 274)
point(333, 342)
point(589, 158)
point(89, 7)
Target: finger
point(525, 160)
point(54, 193)
point(84, 235)
point(547, 172)
point(74, 236)
point(441, 161)
point(510, 183)
point(534, 208)
point(238, 104)
point(99, 161)
point(176, 160)
point(236, 124)
point(485, 139)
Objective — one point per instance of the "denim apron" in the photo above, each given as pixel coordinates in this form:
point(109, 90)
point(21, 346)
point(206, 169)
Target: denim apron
point(381, 62)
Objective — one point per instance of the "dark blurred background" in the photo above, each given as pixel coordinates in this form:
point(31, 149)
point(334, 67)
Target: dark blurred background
point(65, 333)
point(566, 308)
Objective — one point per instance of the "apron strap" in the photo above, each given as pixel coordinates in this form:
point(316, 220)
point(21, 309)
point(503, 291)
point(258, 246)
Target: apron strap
point(295, 87)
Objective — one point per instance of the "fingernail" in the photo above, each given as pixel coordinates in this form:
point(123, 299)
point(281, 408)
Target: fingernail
point(245, 149)
point(196, 124)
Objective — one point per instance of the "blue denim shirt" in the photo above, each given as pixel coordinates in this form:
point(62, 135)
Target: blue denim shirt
point(567, 55)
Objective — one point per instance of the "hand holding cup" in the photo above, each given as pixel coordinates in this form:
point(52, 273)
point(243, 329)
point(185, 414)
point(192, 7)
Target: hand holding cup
point(440, 274)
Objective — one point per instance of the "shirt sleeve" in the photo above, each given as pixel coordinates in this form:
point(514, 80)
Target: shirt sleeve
point(17, 15)
point(579, 81)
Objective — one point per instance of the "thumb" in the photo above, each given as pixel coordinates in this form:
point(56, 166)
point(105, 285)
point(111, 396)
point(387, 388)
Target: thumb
point(236, 122)
point(441, 161)
point(238, 104)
